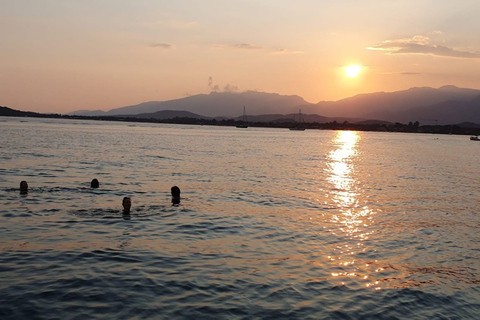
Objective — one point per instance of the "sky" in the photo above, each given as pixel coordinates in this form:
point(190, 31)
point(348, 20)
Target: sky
point(61, 55)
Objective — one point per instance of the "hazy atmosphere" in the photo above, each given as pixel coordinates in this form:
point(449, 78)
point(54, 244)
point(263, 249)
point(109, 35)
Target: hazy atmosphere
point(239, 159)
point(61, 56)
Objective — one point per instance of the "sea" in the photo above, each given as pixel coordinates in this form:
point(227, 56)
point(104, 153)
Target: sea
point(272, 223)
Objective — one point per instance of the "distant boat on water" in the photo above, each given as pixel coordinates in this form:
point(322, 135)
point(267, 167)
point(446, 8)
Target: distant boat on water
point(475, 138)
point(244, 120)
point(299, 126)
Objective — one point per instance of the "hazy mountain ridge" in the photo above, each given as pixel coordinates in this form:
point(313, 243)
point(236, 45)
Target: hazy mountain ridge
point(293, 117)
point(398, 106)
point(91, 113)
point(167, 114)
point(275, 118)
point(215, 104)
point(8, 112)
point(444, 105)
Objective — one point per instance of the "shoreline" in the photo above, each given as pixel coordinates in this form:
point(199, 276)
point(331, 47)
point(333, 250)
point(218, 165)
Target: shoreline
point(379, 126)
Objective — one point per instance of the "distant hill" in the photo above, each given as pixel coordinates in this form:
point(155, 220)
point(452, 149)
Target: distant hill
point(7, 112)
point(215, 104)
point(90, 113)
point(445, 112)
point(468, 125)
point(292, 117)
point(413, 104)
point(377, 122)
point(168, 114)
point(445, 105)
point(276, 118)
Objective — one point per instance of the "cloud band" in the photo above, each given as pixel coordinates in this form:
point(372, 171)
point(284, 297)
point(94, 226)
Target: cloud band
point(421, 45)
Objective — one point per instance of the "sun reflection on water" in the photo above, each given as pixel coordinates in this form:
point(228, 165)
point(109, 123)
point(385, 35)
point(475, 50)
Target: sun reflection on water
point(352, 220)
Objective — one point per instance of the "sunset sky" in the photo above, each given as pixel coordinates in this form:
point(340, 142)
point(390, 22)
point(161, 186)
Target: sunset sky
point(61, 55)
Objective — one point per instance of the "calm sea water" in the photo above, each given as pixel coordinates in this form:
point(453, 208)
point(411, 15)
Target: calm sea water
point(273, 224)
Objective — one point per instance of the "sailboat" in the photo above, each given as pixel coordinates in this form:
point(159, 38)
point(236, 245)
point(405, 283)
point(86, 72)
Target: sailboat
point(299, 127)
point(244, 120)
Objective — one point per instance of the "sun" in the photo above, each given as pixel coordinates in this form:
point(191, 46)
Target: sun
point(353, 70)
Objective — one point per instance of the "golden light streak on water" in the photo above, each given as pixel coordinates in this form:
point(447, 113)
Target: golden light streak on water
point(353, 222)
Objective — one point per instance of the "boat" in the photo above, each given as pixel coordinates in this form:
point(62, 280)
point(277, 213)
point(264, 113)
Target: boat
point(244, 120)
point(475, 138)
point(299, 126)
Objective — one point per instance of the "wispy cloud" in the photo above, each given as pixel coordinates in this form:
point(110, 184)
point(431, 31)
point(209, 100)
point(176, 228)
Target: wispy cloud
point(286, 51)
point(421, 45)
point(401, 73)
point(162, 45)
point(250, 46)
point(215, 87)
point(230, 88)
point(239, 46)
point(211, 85)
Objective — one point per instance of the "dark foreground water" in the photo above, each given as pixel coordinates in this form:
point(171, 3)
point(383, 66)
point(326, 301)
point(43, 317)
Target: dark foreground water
point(273, 224)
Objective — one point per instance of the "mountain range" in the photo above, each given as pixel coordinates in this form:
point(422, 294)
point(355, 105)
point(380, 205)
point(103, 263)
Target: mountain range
point(444, 105)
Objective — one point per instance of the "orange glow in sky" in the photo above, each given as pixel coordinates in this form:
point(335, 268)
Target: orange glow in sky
point(61, 56)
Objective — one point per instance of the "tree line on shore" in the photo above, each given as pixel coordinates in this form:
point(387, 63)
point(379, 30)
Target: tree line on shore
point(412, 127)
